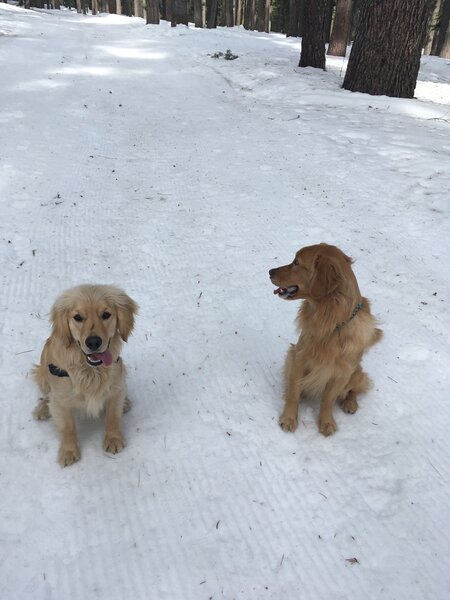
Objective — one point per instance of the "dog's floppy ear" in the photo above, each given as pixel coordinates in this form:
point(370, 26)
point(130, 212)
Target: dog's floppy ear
point(325, 279)
point(126, 309)
point(59, 318)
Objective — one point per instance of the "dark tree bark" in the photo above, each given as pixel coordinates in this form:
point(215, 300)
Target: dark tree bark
point(260, 15)
point(167, 9)
point(250, 15)
point(228, 10)
point(198, 13)
point(313, 40)
point(267, 15)
point(385, 57)
point(295, 21)
point(152, 16)
point(341, 28)
point(179, 13)
point(211, 13)
point(328, 20)
point(433, 27)
point(443, 32)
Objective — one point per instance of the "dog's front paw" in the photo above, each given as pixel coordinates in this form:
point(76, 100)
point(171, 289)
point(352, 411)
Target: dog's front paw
point(113, 443)
point(68, 455)
point(327, 426)
point(288, 422)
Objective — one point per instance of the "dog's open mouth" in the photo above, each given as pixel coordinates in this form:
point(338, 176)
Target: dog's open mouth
point(99, 358)
point(286, 293)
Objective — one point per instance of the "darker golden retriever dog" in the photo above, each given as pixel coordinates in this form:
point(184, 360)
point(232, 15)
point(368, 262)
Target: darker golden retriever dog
point(336, 328)
point(80, 364)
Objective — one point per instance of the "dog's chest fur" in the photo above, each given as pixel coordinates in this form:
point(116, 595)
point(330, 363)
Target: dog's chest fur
point(92, 386)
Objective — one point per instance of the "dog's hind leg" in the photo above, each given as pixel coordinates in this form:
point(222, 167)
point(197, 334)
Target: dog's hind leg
point(358, 384)
point(127, 405)
point(41, 411)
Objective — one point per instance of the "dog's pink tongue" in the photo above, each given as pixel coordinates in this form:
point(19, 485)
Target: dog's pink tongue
point(105, 357)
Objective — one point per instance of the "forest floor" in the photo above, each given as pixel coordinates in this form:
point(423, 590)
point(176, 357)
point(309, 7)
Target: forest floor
point(129, 155)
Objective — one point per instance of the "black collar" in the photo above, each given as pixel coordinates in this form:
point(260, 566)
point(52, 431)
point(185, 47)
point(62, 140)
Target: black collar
point(54, 370)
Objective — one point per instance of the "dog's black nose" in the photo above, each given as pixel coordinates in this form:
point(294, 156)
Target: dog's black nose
point(93, 342)
point(271, 272)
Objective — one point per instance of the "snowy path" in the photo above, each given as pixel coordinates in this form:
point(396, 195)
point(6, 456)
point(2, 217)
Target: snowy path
point(128, 155)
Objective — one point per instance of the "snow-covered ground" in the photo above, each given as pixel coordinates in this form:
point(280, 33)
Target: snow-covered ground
point(129, 155)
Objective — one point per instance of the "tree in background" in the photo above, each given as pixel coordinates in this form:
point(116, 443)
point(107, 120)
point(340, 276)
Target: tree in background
point(438, 42)
point(179, 13)
point(262, 19)
point(152, 10)
point(138, 8)
point(211, 13)
point(341, 28)
point(385, 57)
point(295, 20)
point(328, 19)
point(238, 12)
point(198, 13)
point(228, 13)
point(250, 14)
point(313, 40)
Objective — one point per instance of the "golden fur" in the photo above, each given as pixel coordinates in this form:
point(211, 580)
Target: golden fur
point(107, 313)
point(326, 361)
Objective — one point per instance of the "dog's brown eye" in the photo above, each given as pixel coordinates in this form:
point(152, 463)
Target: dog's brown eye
point(296, 262)
point(106, 315)
point(78, 318)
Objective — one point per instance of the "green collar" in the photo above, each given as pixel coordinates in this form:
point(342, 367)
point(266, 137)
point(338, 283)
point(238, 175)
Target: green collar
point(356, 310)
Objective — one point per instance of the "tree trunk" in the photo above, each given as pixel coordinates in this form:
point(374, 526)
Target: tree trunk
point(294, 26)
point(238, 12)
point(211, 13)
point(168, 9)
point(328, 20)
point(433, 27)
point(152, 12)
point(94, 7)
point(198, 13)
point(138, 8)
point(179, 13)
point(313, 40)
point(341, 28)
point(78, 6)
point(267, 15)
point(385, 57)
point(260, 14)
point(443, 32)
point(228, 9)
point(250, 15)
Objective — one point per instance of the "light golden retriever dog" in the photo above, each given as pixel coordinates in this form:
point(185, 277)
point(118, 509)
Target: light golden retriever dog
point(336, 328)
point(81, 366)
